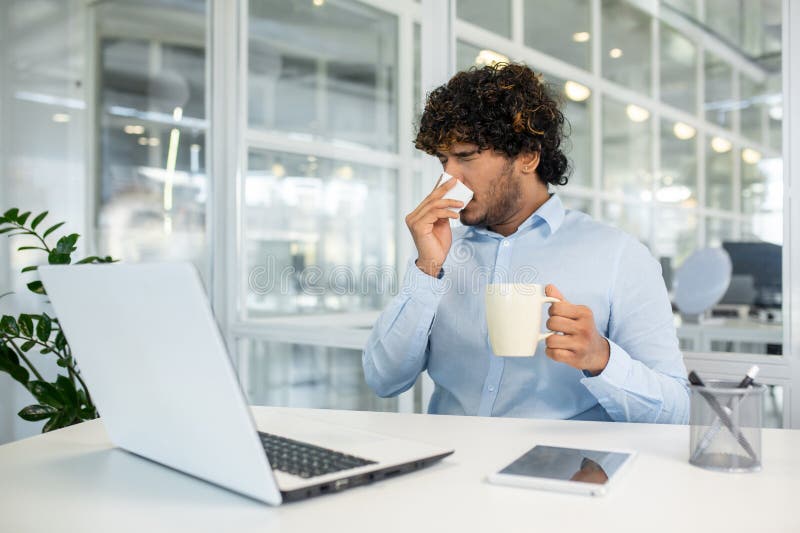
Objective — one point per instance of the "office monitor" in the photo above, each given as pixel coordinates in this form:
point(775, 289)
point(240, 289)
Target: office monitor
point(762, 262)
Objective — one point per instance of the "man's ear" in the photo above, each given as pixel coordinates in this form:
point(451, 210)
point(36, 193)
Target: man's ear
point(528, 162)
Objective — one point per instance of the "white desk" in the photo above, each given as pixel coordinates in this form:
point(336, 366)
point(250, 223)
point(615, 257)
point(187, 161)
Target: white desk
point(71, 480)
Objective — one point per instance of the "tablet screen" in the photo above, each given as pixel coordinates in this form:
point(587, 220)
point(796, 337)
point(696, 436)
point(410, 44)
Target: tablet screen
point(568, 464)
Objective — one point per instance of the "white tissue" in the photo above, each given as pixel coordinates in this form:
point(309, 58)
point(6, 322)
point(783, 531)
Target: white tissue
point(460, 192)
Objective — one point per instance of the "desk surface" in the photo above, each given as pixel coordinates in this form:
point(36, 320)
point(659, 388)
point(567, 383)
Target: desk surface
point(72, 480)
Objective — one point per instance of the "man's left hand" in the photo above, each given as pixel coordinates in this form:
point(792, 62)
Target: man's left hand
point(581, 346)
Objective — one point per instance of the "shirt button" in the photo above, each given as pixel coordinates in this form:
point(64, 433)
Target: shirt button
point(505, 243)
point(491, 388)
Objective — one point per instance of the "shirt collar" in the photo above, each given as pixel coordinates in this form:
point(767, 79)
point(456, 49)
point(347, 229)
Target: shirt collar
point(551, 213)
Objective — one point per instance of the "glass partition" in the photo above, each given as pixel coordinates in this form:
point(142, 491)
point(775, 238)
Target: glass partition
point(569, 40)
point(626, 45)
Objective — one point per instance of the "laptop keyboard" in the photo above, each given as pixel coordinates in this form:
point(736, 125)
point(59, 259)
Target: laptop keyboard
point(306, 460)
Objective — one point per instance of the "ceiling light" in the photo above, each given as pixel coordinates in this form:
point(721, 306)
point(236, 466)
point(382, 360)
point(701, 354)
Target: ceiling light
point(153, 141)
point(615, 53)
point(143, 141)
point(720, 145)
point(683, 131)
point(750, 156)
point(581, 36)
point(278, 170)
point(489, 58)
point(776, 112)
point(345, 172)
point(60, 117)
point(133, 129)
point(577, 92)
point(177, 114)
point(636, 113)
point(318, 3)
point(673, 194)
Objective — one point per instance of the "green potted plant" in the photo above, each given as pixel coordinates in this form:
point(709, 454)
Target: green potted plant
point(66, 400)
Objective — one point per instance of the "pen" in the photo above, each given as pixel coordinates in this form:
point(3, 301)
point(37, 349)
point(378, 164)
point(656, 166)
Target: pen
point(694, 379)
point(749, 377)
point(717, 425)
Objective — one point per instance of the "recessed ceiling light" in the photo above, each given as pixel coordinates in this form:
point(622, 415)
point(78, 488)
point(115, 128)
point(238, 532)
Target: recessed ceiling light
point(750, 156)
point(489, 58)
point(636, 113)
point(581, 36)
point(576, 92)
point(615, 53)
point(720, 145)
point(683, 131)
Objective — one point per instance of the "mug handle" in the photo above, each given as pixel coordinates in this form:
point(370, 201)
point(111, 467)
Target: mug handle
point(547, 300)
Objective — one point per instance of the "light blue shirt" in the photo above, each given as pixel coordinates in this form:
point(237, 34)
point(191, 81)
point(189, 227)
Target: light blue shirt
point(439, 325)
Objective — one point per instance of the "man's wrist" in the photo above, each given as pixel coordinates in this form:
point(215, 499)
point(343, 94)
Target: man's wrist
point(602, 360)
point(431, 268)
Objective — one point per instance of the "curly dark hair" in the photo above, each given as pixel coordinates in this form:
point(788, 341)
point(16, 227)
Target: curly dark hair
point(504, 107)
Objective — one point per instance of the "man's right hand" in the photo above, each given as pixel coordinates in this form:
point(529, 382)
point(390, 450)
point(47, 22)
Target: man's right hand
point(430, 227)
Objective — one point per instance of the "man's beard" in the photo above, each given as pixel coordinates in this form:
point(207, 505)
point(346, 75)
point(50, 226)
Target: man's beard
point(502, 200)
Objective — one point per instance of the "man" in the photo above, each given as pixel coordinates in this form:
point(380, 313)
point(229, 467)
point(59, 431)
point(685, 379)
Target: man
point(499, 130)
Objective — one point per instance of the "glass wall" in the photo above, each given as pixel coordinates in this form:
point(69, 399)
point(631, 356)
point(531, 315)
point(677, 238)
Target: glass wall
point(689, 151)
point(151, 127)
point(319, 201)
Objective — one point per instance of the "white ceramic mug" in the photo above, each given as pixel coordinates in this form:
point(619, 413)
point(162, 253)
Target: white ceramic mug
point(514, 317)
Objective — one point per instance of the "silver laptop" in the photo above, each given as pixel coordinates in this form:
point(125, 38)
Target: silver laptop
point(150, 351)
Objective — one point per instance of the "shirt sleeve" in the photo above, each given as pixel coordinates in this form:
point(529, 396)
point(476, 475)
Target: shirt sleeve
point(645, 379)
point(396, 350)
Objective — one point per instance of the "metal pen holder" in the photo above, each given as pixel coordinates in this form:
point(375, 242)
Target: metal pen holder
point(726, 426)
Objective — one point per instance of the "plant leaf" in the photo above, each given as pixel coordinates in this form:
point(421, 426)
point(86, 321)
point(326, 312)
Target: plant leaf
point(11, 214)
point(25, 323)
point(36, 286)
point(27, 345)
point(46, 393)
point(35, 412)
point(23, 248)
point(44, 328)
point(88, 413)
point(90, 259)
point(28, 269)
point(61, 340)
point(6, 294)
point(9, 354)
point(38, 219)
point(6, 230)
point(57, 258)
point(22, 218)
point(9, 325)
point(68, 392)
point(66, 244)
point(57, 422)
point(51, 229)
point(9, 363)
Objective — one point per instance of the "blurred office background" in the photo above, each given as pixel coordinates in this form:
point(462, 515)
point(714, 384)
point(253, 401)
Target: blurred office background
point(105, 113)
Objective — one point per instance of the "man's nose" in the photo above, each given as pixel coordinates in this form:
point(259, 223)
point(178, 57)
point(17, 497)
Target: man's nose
point(452, 168)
